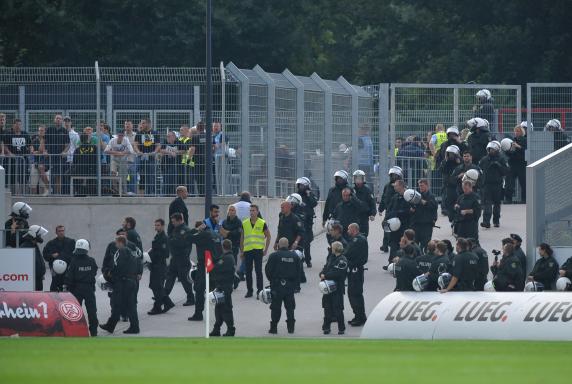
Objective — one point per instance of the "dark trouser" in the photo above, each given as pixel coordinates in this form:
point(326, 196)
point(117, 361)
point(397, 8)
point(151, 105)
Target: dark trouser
point(468, 229)
point(124, 298)
point(223, 312)
point(253, 258)
point(308, 238)
point(179, 268)
point(385, 243)
point(57, 283)
point(450, 200)
point(170, 179)
point(364, 226)
point(87, 294)
point(39, 284)
point(333, 305)
point(355, 293)
point(517, 171)
point(492, 197)
point(157, 283)
point(200, 289)
point(423, 233)
point(147, 174)
point(480, 282)
point(394, 239)
point(282, 294)
point(199, 173)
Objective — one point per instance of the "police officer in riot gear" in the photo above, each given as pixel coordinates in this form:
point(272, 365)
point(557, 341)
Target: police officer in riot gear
point(395, 173)
point(206, 241)
point(333, 303)
point(180, 245)
point(424, 261)
point(60, 248)
point(80, 281)
point(223, 276)
point(406, 270)
point(440, 264)
point(467, 213)
point(334, 195)
point(424, 214)
point(495, 168)
point(545, 270)
point(483, 266)
point(283, 272)
point(365, 195)
point(303, 187)
point(124, 274)
point(459, 172)
point(17, 225)
point(464, 268)
point(159, 253)
point(507, 272)
point(356, 255)
point(349, 210)
point(448, 166)
point(31, 239)
point(291, 227)
point(401, 209)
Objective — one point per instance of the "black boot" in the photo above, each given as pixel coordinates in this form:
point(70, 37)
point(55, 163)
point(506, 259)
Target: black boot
point(190, 301)
point(230, 332)
point(168, 304)
point(273, 328)
point(290, 325)
point(196, 317)
point(131, 331)
point(215, 331)
point(107, 327)
point(156, 310)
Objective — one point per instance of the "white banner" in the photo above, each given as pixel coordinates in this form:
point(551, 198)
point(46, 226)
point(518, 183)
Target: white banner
point(472, 315)
point(17, 269)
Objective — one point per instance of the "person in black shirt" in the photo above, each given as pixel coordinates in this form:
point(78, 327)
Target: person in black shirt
point(424, 214)
point(467, 213)
point(223, 276)
point(31, 239)
point(85, 164)
point(517, 165)
point(508, 276)
point(56, 141)
point(198, 152)
point(60, 248)
point(159, 253)
point(545, 269)
point(310, 200)
point(401, 209)
point(148, 142)
point(80, 281)
point(406, 269)
point(465, 269)
point(230, 229)
point(180, 245)
point(356, 255)
point(336, 269)
point(170, 163)
point(494, 167)
point(485, 108)
point(363, 193)
point(349, 210)
point(17, 146)
point(178, 206)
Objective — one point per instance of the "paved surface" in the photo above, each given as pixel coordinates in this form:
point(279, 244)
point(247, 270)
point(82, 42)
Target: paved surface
point(252, 317)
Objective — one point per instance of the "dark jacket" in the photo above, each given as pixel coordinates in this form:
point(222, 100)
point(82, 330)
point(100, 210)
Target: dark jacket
point(290, 227)
point(447, 170)
point(567, 267)
point(439, 264)
point(365, 195)
point(494, 169)
point(465, 268)
point(517, 156)
point(332, 201)
point(39, 261)
point(64, 247)
point(356, 252)
point(159, 252)
point(310, 202)
point(178, 206)
point(406, 271)
point(398, 207)
point(223, 271)
point(508, 275)
point(519, 253)
point(561, 140)
point(283, 269)
point(336, 269)
point(22, 227)
point(424, 262)
point(133, 236)
point(234, 227)
point(545, 271)
point(478, 141)
point(180, 242)
point(467, 225)
point(348, 212)
point(125, 266)
point(81, 273)
point(462, 168)
point(425, 213)
point(440, 157)
point(204, 241)
point(386, 197)
point(107, 264)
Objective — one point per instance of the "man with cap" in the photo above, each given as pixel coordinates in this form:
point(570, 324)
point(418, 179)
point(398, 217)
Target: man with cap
point(495, 168)
point(507, 273)
point(518, 252)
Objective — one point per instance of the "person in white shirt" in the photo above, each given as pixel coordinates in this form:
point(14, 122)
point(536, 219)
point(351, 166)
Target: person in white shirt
point(119, 148)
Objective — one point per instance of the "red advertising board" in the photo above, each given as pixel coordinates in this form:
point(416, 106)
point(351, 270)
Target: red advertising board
point(41, 314)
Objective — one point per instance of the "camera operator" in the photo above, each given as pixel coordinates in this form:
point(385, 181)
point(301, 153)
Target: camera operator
point(507, 272)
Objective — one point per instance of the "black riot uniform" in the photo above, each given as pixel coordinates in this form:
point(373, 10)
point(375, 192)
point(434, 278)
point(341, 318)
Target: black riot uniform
point(494, 169)
point(567, 268)
point(483, 266)
point(336, 270)
point(545, 271)
point(477, 141)
point(462, 169)
point(14, 240)
point(124, 273)
point(518, 252)
point(348, 212)
point(283, 272)
point(356, 254)
point(64, 247)
point(133, 237)
point(424, 218)
point(517, 164)
point(333, 199)
point(508, 275)
point(205, 240)
point(28, 242)
point(467, 226)
point(310, 202)
point(465, 268)
point(364, 194)
point(178, 206)
point(223, 276)
point(386, 197)
point(399, 208)
point(439, 264)
point(159, 254)
point(290, 226)
point(180, 245)
point(80, 281)
point(424, 262)
point(406, 271)
point(449, 185)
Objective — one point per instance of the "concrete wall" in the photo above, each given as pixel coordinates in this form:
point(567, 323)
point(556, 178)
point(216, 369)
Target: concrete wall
point(97, 219)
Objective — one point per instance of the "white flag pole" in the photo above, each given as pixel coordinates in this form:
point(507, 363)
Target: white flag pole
point(207, 302)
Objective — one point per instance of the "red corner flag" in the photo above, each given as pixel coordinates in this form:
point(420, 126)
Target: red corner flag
point(209, 264)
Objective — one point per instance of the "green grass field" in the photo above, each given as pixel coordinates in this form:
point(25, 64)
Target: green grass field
point(167, 361)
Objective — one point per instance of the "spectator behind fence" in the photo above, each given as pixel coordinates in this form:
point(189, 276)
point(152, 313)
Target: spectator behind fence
point(411, 157)
point(130, 135)
point(72, 144)
point(17, 147)
point(171, 158)
point(56, 140)
point(184, 169)
point(85, 165)
point(365, 150)
point(40, 163)
point(148, 142)
point(119, 148)
point(220, 144)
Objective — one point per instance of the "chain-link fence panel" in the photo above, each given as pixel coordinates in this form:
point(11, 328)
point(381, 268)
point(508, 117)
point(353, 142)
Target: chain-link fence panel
point(314, 144)
point(286, 132)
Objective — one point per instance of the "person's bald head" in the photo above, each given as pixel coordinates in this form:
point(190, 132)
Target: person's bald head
point(283, 243)
point(353, 229)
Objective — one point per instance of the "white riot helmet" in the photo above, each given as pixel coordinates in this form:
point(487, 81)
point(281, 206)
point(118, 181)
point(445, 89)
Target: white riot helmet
point(477, 122)
point(359, 174)
point(563, 284)
point(483, 95)
point(216, 297)
point(533, 286)
point(391, 225)
point(59, 266)
point(553, 125)
point(526, 125)
point(494, 145)
point(396, 171)
point(489, 286)
point(420, 283)
point(453, 129)
point(341, 173)
point(303, 181)
point(506, 144)
point(391, 269)
point(300, 254)
point(81, 246)
point(103, 284)
point(327, 286)
point(36, 231)
point(412, 196)
point(266, 295)
point(21, 209)
point(444, 280)
point(471, 175)
point(454, 150)
point(295, 199)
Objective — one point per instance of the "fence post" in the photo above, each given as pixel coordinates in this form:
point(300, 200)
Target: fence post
point(299, 120)
point(222, 187)
point(196, 104)
point(244, 122)
point(328, 130)
point(98, 122)
point(3, 201)
point(456, 107)
point(392, 126)
point(109, 107)
point(271, 115)
point(529, 131)
point(383, 121)
point(22, 106)
point(355, 120)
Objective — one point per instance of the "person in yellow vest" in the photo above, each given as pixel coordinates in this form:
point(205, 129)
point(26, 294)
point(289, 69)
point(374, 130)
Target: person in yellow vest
point(438, 138)
point(254, 241)
point(185, 142)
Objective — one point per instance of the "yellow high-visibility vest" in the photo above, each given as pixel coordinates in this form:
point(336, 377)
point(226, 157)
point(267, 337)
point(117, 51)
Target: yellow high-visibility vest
point(254, 237)
point(441, 138)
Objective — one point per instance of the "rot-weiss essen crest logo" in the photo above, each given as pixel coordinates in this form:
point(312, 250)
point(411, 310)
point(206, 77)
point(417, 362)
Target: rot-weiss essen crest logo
point(70, 311)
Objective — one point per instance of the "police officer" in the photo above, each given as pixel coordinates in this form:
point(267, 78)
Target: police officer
point(334, 195)
point(60, 248)
point(333, 303)
point(31, 239)
point(566, 269)
point(452, 161)
point(483, 266)
point(291, 227)
point(356, 255)
point(129, 224)
point(406, 270)
point(349, 210)
point(484, 107)
point(545, 270)
point(80, 281)
point(507, 273)
point(518, 252)
point(462, 168)
point(124, 275)
point(453, 138)
point(464, 269)
point(223, 276)
point(178, 206)
point(494, 167)
point(17, 225)
point(283, 272)
point(467, 213)
point(401, 209)
point(395, 173)
point(424, 214)
point(424, 261)
point(479, 138)
point(159, 253)
point(206, 242)
point(180, 245)
point(303, 187)
point(336, 233)
point(297, 205)
point(365, 195)
point(440, 264)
